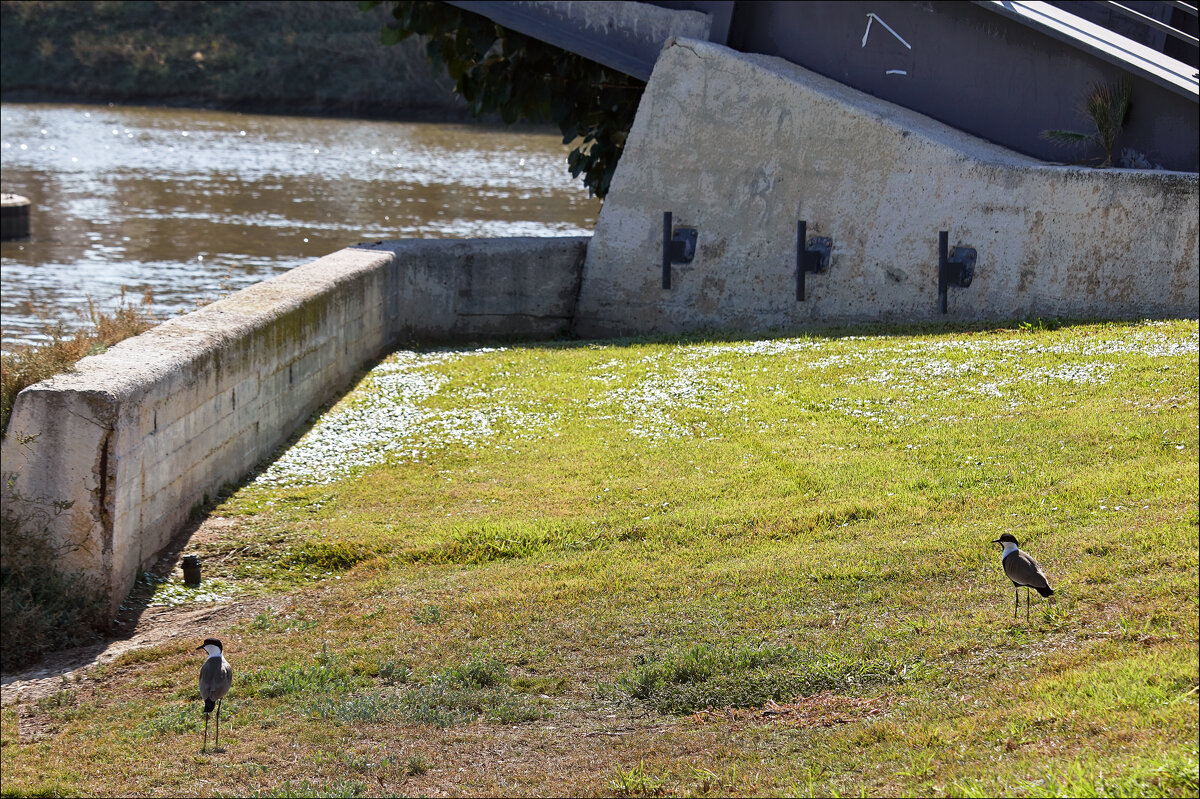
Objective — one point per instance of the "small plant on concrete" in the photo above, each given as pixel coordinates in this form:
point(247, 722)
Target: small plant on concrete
point(29, 364)
point(1107, 105)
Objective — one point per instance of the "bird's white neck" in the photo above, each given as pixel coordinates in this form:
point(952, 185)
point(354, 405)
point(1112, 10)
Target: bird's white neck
point(213, 651)
point(1009, 548)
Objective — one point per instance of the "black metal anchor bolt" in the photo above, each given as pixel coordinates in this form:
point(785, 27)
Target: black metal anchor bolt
point(812, 255)
point(678, 247)
point(955, 268)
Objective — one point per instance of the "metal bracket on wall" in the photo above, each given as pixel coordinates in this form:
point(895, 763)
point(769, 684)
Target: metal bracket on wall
point(679, 247)
point(955, 268)
point(812, 255)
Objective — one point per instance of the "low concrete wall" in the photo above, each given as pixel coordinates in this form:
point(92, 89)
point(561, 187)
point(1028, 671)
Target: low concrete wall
point(742, 146)
point(116, 453)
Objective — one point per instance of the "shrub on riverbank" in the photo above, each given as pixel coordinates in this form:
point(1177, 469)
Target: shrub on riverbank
point(32, 363)
point(268, 56)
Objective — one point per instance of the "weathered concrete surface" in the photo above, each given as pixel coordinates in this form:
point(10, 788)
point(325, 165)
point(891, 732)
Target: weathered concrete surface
point(742, 146)
point(113, 456)
point(456, 290)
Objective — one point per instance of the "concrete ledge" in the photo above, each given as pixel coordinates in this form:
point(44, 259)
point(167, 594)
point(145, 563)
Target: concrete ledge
point(742, 146)
point(115, 454)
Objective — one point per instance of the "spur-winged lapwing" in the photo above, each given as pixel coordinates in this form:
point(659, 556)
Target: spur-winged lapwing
point(1023, 571)
point(216, 676)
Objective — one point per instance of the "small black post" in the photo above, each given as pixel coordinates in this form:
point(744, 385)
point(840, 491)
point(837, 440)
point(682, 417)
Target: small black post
point(191, 570)
point(666, 250)
point(943, 263)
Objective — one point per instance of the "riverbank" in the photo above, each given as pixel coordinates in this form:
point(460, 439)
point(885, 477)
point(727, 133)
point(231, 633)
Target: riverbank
point(287, 57)
point(192, 205)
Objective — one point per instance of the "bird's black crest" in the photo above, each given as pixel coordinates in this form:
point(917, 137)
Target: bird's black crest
point(214, 641)
point(1008, 538)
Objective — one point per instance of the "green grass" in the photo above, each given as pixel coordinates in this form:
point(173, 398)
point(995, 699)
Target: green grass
point(689, 567)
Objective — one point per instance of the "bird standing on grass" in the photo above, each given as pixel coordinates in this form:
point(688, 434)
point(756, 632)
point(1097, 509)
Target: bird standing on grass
point(1023, 571)
point(216, 676)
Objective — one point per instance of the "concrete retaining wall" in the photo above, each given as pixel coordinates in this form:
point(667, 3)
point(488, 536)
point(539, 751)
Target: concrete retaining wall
point(742, 146)
point(116, 453)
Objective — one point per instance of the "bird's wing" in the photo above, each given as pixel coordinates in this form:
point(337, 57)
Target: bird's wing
point(1029, 570)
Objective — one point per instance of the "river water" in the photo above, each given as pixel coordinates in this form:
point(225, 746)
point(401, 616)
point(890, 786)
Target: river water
point(190, 205)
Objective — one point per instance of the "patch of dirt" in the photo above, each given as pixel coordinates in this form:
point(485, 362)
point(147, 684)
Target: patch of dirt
point(824, 709)
point(139, 627)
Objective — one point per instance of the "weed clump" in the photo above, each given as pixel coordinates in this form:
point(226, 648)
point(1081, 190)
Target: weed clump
point(33, 363)
point(328, 674)
point(476, 688)
point(330, 556)
point(43, 609)
point(705, 677)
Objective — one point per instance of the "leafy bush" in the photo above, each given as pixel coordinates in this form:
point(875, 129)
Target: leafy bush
point(500, 71)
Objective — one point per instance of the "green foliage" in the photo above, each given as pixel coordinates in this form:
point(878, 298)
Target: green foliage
point(478, 672)
point(1107, 106)
point(499, 71)
point(176, 720)
point(1151, 776)
point(287, 55)
point(636, 781)
point(326, 675)
point(305, 788)
point(700, 663)
point(391, 671)
point(487, 541)
point(430, 614)
point(329, 555)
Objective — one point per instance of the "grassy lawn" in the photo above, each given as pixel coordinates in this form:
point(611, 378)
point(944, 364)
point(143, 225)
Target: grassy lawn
point(690, 567)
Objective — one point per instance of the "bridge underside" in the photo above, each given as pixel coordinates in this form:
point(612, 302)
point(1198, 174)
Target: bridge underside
point(1002, 71)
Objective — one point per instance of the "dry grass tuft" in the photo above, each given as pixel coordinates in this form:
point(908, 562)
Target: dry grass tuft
point(33, 363)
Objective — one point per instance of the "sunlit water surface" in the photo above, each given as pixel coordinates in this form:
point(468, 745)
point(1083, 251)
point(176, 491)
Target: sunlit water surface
point(190, 205)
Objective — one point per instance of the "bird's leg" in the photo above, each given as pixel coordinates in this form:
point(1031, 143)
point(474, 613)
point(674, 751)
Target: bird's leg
point(1017, 606)
point(217, 740)
point(1026, 613)
point(204, 745)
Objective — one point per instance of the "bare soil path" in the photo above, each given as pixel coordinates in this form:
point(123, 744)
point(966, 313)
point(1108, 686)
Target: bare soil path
point(138, 628)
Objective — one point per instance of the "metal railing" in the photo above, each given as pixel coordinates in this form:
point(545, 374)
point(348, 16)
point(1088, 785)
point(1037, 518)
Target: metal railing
point(1151, 22)
point(1167, 26)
